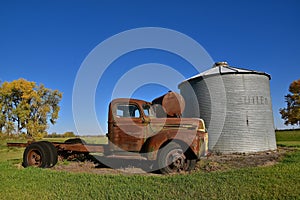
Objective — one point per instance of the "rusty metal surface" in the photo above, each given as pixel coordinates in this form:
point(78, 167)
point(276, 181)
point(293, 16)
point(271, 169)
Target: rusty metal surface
point(130, 157)
point(146, 133)
point(188, 138)
point(82, 148)
point(14, 144)
point(34, 158)
point(126, 133)
point(172, 104)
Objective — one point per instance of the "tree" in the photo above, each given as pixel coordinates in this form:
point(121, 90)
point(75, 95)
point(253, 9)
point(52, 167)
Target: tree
point(69, 134)
point(291, 114)
point(26, 106)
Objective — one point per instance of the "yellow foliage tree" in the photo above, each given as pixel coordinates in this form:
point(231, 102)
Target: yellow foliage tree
point(26, 106)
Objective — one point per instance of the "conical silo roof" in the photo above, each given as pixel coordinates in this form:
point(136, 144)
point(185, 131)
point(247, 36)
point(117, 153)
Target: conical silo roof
point(221, 68)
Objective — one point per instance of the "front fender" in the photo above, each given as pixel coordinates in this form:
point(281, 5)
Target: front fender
point(186, 138)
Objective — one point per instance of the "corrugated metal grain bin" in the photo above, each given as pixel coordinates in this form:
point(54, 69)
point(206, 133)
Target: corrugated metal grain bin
point(235, 105)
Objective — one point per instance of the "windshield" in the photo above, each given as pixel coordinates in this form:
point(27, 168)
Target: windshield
point(148, 110)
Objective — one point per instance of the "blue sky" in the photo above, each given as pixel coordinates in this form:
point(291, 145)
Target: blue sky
point(47, 41)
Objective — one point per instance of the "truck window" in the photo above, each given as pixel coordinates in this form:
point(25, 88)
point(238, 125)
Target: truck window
point(148, 111)
point(127, 111)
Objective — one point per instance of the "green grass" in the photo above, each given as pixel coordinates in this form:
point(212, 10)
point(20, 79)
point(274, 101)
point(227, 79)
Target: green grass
point(281, 181)
point(11, 153)
point(290, 138)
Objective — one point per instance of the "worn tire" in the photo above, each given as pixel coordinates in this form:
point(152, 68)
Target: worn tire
point(53, 156)
point(37, 154)
point(171, 159)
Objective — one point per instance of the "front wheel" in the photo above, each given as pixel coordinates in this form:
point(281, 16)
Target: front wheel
point(172, 159)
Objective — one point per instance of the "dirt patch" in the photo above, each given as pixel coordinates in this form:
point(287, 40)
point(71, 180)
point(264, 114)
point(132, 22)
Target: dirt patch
point(219, 162)
point(87, 167)
point(214, 162)
point(95, 168)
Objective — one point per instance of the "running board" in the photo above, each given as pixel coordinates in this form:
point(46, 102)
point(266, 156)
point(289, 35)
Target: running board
point(129, 157)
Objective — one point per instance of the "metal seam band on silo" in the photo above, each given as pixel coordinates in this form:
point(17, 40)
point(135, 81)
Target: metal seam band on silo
point(236, 106)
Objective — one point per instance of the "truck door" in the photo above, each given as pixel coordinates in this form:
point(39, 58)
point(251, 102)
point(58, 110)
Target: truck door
point(129, 129)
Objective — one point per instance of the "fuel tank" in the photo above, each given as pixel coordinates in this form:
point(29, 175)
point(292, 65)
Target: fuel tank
point(170, 104)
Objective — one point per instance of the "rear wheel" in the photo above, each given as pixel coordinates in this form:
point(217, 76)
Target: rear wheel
point(172, 159)
point(37, 154)
point(53, 156)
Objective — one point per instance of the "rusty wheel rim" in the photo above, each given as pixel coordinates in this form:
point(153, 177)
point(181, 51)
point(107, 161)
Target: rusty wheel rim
point(34, 158)
point(176, 160)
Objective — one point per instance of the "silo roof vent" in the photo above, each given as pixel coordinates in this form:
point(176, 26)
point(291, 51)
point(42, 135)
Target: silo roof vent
point(220, 64)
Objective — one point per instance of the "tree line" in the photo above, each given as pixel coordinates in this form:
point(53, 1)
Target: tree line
point(27, 107)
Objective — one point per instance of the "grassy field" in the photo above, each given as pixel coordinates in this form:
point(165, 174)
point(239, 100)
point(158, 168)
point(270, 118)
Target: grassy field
point(281, 181)
point(288, 138)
